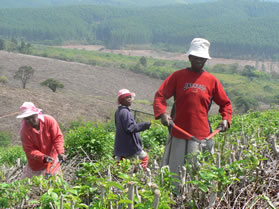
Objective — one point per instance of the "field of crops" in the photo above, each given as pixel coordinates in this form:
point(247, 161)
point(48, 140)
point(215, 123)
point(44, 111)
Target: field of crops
point(243, 171)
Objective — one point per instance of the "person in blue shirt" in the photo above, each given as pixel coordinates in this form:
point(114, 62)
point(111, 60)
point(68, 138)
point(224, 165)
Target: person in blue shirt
point(128, 143)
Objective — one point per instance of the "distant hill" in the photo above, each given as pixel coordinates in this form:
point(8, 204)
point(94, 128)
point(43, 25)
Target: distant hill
point(89, 92)
point(241, 29)
point(125, 3)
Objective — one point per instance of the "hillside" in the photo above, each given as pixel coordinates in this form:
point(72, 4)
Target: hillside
point(89, 92)
point(263, 65)
point(127, 3)
point(251, 32)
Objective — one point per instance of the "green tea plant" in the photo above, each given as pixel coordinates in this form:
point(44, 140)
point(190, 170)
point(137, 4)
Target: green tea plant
point(154, 139)
point(238, 162)
point(92, 140)
point(5, 139)
point(9, 155)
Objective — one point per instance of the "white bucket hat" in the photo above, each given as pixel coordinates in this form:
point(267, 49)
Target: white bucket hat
point(199, 48)
point(123, 93)
point(28, 109)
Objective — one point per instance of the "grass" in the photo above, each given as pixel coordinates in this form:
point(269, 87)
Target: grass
point(235, 84)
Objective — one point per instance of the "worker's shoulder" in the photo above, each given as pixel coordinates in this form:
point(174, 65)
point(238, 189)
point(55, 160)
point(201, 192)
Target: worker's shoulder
point(49, 118)
point(123, 111)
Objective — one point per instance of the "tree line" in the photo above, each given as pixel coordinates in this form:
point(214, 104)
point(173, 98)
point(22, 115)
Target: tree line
point(251, 32)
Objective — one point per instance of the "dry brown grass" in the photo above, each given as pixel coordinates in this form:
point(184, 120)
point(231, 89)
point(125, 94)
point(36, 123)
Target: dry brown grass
point(89, 92)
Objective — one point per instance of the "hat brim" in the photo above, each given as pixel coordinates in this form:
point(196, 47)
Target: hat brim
point(197, 54)
point(120, 97)
point(27, 114)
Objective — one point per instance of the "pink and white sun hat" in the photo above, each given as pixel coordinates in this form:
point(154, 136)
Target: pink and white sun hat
point(122, 93)
point(200, 48)
point(27, 109)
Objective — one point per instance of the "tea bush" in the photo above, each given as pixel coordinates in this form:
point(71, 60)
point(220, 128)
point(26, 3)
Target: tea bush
point(236, 165)
point(92, 139)
point(9, 155)
point(5, 139)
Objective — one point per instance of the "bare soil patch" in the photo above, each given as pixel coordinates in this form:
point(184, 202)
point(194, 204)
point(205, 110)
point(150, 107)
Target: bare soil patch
point(89, 92)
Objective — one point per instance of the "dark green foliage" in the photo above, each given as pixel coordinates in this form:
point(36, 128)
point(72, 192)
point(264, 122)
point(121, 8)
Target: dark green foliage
point(245, 103)
point(52, 84)
point(233, 34)
point(24, 47)
point(143, 61)
point(124, 3)
point(23, 74)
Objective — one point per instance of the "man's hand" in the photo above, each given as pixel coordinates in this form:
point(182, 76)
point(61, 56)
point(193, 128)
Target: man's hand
point(62, 157)
point(165, 119)
point(223, 126)
point(48, 159)
point(148, 124)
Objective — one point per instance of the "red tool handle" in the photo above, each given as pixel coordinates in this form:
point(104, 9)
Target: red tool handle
point(213, 134)
point(48, 167)
point(55, 167)
point(191, 136)
point(182, 131)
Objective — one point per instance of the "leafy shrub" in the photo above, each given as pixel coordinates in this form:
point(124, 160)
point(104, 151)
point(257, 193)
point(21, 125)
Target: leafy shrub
point(179, 64)
point(9, 155)
point(5, 139)
point(245, 103)
point(222, 68)
point(143, 61)
point(159, 63)
point(52, 84)
point(154, 138)
point(91, 139)
point(267, 88)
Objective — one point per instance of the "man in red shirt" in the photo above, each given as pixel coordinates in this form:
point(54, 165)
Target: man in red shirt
point(42, 140)
point(193, 90)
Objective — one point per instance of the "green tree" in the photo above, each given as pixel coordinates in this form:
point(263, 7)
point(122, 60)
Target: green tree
point(23, 74)
point(24, 47)
point(52, 84)
point(143, 61)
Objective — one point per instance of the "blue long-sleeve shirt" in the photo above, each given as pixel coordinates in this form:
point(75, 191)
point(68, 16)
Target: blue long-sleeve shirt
point(127, 138)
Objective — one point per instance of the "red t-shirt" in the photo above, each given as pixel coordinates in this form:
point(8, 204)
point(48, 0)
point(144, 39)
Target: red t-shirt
point(193, 93)
point(48, 141)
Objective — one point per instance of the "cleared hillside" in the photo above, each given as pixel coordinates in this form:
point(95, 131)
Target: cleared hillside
point(89, 92)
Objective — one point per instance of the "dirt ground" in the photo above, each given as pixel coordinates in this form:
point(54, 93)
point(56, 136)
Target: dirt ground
point(89, 92)
point(266, 66)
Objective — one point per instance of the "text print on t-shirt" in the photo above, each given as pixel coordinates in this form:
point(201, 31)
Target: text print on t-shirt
point(194, 86)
